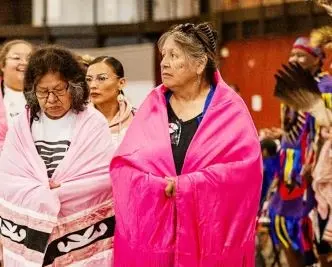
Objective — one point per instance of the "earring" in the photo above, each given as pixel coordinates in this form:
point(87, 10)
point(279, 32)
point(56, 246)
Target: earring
point(120, 98)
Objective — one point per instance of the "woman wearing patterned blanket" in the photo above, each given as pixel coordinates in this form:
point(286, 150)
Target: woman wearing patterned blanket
point(56, 198)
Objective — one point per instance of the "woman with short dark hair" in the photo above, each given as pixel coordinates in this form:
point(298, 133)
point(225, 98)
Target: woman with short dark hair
point(56, 197)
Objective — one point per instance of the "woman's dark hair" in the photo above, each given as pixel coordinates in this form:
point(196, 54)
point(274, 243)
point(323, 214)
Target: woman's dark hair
point(55, 59)
point(112, 62)
point(196, 40)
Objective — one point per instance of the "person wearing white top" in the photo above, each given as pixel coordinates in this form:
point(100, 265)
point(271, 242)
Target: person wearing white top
point(56, 197)
point(51, 142)
point(14, 103)
point(14, 57)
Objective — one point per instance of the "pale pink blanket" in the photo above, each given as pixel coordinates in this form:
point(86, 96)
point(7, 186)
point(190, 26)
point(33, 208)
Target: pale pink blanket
point(3, 131)
point(3, 122)
point(68, 226)
point(322, 185)
point(211, 220)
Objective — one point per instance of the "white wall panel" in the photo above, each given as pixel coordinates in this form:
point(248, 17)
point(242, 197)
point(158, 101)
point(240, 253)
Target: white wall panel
point(138, 63)
point(80, 12)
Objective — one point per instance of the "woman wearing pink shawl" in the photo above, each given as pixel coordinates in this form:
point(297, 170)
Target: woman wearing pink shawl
point(56, 204)
point(187, 176)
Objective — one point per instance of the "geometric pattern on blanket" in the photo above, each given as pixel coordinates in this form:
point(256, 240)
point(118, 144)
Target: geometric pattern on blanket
point(32, 239)
point(36, 240)
point(79, 239)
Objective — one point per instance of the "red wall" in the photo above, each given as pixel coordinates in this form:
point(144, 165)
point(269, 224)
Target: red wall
point(265, 56)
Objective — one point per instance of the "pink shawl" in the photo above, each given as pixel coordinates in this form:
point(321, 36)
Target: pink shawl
point(3, 122)
point(322, 185)
point(70, 224)
point(211, 220)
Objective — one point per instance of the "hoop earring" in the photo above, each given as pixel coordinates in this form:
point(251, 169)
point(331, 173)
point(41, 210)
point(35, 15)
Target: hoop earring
point(120, 98)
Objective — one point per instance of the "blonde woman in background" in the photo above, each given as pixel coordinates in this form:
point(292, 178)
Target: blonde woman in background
point(14, 57)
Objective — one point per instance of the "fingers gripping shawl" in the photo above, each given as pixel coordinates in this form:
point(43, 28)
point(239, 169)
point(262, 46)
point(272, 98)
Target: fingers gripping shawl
point(211, 220)
point(70, 224)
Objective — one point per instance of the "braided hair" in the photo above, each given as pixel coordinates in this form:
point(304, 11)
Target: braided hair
point(197, 41)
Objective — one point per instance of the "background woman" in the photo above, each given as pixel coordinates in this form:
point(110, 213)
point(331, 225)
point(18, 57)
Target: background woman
point(105, 77)
point(14, 57)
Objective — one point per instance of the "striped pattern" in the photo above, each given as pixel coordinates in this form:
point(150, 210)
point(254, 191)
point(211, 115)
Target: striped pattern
point(52, 153)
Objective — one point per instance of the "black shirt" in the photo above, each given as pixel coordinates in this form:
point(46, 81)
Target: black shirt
point(181, 134)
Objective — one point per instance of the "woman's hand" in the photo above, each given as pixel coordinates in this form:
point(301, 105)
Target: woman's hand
point(170, 187)
point(53, 184)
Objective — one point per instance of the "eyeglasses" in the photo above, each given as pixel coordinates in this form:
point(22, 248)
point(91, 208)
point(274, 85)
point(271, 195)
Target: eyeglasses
point(44, 94)
point(100, 78)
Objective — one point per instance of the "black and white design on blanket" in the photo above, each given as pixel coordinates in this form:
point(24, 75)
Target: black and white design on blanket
point(52, 139)
point(80, 239)
point(12, 231)
point(25, 235)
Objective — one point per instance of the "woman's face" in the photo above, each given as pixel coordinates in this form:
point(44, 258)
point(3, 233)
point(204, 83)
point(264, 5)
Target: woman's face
point(53, 95)
point(177, 69)
point(15, 65)
point(103, 83)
